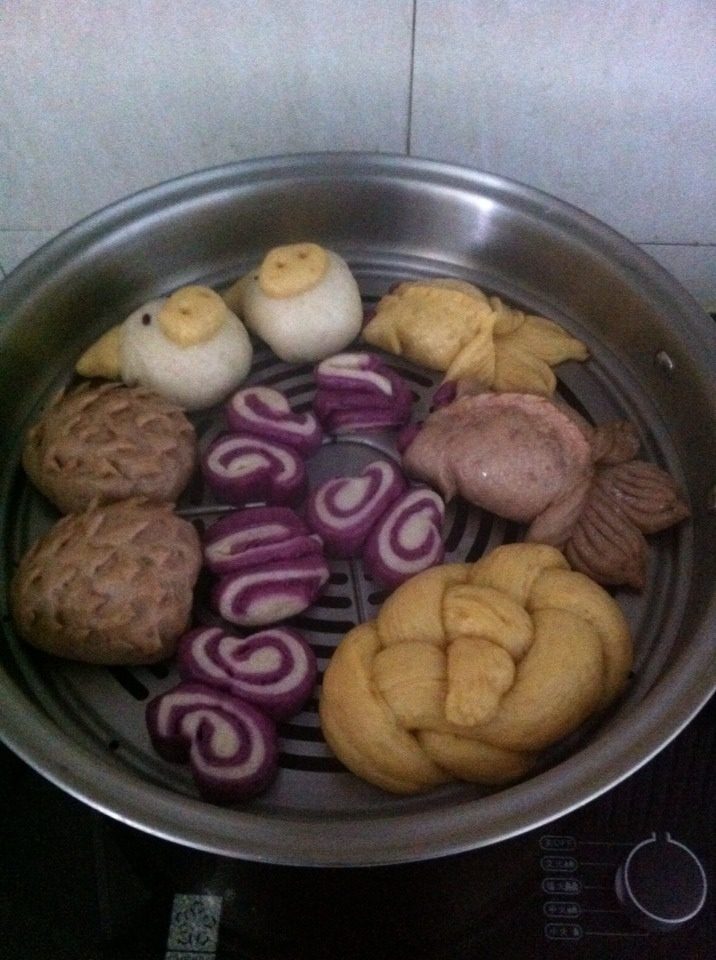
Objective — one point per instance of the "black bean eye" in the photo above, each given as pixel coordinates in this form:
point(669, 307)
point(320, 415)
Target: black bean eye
point(146, 319)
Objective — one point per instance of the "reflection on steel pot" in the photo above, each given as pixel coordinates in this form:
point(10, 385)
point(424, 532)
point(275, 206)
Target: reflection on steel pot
point(391, 218)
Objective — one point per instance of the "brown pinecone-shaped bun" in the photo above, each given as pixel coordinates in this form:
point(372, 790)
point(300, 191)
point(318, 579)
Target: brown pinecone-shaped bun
point(111, 585)
point(110, 442)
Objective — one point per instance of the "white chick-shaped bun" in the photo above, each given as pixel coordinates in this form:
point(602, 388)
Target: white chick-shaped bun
point(303, 301)
point(190, 348)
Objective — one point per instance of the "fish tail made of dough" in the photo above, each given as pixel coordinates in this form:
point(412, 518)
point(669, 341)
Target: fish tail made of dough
point(644, 493)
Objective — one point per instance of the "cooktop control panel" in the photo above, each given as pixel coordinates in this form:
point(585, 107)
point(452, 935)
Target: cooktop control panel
point(628, 876)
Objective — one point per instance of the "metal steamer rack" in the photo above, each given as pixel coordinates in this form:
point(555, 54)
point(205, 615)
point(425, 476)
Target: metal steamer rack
point(392, 219)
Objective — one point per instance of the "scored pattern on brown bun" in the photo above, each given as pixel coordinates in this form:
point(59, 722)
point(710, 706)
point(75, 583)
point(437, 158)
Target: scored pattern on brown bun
point(111, 585)
point(109, 442)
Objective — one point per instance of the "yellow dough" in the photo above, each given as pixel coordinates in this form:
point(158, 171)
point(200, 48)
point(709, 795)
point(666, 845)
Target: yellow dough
point(451, 325)
point(192, 315)
point(293, 269)
point(471, 670)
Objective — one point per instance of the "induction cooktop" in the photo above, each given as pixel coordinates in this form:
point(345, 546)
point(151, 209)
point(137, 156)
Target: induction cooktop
point(630, 875)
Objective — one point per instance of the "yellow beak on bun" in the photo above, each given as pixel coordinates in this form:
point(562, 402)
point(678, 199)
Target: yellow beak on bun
point(103, 358)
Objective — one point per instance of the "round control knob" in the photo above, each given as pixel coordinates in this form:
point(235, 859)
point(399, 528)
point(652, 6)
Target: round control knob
point(661, 884)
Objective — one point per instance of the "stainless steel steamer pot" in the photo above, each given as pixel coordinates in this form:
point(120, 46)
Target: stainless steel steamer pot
point(653, 360)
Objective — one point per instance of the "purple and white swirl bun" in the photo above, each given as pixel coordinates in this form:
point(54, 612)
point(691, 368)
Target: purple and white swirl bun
point(274, 669)
point(407, 539)
point(232, 746)
point(272, 592)
point(241, 468)
point(255, 536)
point(357, 391)
point(265, 412)
point(344, 510)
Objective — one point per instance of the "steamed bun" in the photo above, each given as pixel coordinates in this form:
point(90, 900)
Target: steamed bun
point(303, 301)
point(190, 348)
point(194, 376)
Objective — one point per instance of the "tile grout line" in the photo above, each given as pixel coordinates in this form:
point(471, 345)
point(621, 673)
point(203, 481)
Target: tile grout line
point(409, 131)
point(676, 243)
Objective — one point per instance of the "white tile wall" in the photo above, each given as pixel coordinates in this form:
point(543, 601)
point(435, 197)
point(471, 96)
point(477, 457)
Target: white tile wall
point(15, 245)
point(693, 265)
point(98, 99)
point(607, 104)
point(610, 105)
